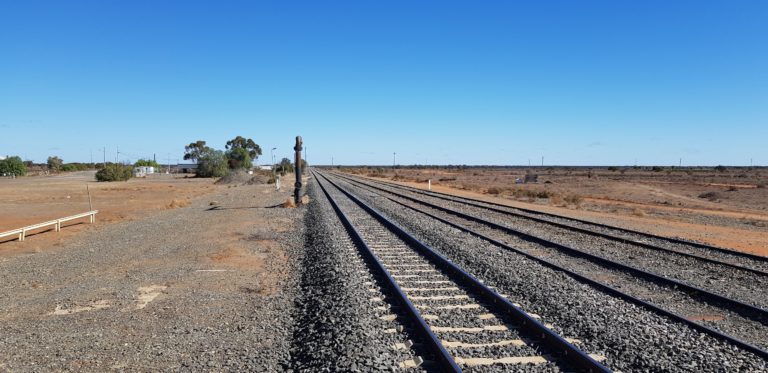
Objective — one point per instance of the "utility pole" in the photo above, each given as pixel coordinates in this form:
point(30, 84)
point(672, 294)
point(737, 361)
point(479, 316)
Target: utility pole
point(331, 161)
point(169, 163)
point(542, 161)
point(117, 154)
point(105, 156)
point(91, 156)
point(680, 164)
point(394, 158)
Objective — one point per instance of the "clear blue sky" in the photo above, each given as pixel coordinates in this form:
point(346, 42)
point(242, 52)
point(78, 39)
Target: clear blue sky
point(444, 82)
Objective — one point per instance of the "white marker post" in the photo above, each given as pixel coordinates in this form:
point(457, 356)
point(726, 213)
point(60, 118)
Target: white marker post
point(429, 184)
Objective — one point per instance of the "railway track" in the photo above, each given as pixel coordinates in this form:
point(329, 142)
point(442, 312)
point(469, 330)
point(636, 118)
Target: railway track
point(708, 253)
point(736, 285)
point(458, 321)
point(738, 323)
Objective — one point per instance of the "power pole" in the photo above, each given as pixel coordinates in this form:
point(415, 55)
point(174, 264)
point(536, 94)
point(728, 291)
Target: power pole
point(394, 158)
point(542, 161)
point(117, 155)
point(104, 151)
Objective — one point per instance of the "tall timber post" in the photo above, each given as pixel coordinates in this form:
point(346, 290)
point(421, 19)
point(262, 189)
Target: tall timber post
point(297, 162)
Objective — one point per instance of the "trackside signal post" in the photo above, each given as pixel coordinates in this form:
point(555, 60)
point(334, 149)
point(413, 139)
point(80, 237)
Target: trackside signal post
point(297, 162)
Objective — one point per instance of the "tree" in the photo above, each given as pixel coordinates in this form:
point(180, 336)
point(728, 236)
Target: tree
point(195, 150)
point(13, 166)
point(55, 163)
point(239, 158)
point(114, 172)
point(285, 166)
point(212, 163)
point(147, 163)
point(254, 150)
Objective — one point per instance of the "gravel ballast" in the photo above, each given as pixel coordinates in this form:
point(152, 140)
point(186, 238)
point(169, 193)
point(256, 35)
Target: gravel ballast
point(632, 338)
point(338, 326)
point(734, 283)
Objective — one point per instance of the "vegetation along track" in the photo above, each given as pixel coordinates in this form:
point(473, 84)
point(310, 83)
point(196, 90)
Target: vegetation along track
point(678, 302)
point(456, 319)
point(734, 283)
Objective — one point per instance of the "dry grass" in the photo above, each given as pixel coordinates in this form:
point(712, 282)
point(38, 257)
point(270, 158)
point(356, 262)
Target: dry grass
point(178, 203)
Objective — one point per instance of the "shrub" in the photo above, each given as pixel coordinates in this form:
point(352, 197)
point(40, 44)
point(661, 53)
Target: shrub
point(212, 163)
point(147, 163)
point(69, 167)
point(55, 163)
point(712, 196)
point(573, 199)
point(721, 168)
point(657, 168)
point(114, 172)
point(761, 185)
point(732, 188)
point(494, 190)
point(13, 166)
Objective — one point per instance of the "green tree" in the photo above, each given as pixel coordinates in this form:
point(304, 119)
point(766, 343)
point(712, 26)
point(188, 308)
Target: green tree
point(254, 150)
point(55, 163)
point(114, 172)
point(13, 166)
point(212, 163)
point(285, 166)
point(239, 158)
point(147, 163)
point(195, 150)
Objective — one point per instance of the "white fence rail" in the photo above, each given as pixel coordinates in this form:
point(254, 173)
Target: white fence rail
point(22, 232)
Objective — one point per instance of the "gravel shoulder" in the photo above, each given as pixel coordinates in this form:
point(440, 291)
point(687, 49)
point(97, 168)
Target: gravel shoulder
point(200, 288)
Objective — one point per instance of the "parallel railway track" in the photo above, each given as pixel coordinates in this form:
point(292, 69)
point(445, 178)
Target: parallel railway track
point(456, 318)
point(738, 316)
point(708, 253)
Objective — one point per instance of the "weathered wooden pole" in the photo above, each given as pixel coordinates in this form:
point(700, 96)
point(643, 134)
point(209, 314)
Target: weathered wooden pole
point(297, 162)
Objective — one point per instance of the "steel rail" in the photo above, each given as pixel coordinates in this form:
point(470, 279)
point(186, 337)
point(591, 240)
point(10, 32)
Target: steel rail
point(526, 324)
point(700, 245)
point(599, 285)
point(442, 357)
point(744, 309)
point(587, 231)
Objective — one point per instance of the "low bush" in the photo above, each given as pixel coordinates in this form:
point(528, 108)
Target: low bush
point(573, 199)
point(114, 172)
point(494, 191)
point(712, 196)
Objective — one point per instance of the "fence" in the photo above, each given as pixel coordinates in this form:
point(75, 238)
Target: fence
point(22, 232)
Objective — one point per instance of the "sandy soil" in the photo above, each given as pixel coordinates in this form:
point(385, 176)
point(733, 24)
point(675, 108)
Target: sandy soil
point(31, 200)
point(664, 203)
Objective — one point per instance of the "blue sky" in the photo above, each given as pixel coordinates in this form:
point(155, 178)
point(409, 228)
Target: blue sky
point(440, 82)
